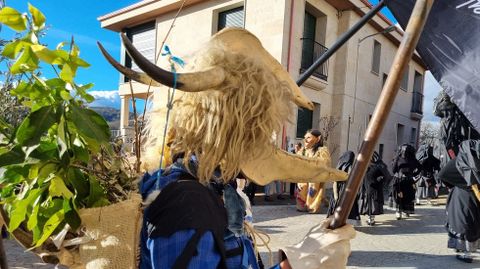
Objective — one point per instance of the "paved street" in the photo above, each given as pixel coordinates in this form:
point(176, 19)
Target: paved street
point(418, 242)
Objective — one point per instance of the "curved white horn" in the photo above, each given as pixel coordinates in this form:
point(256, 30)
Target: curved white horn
point(190, 82)
point(137, 76)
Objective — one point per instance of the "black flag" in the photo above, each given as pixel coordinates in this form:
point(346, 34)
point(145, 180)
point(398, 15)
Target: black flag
point(450, 47)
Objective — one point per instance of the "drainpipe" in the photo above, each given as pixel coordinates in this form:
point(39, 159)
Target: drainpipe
point(244, 13)
point(289, 57)
point(290, 35)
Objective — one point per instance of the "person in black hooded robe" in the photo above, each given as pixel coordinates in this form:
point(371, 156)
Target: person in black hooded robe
point(463, 205)
point(345, 163)
point(405, 168)
point(460, 165)
point(371, 194)
point(429, 165)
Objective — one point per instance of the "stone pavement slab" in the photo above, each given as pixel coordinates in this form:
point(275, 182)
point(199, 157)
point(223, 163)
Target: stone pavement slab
point(18, 258)
point(417, 242)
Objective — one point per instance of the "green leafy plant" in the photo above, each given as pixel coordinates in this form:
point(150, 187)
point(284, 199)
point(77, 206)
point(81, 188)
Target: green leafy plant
point(59, 159)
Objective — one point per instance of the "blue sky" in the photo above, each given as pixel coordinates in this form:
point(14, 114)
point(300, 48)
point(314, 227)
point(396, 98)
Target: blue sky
point(79, 18)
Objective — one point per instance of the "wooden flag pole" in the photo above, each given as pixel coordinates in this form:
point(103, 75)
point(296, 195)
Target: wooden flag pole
point(402, 58)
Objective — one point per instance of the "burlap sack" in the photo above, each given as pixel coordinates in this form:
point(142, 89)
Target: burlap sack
point(321, 248)
point(115, 233)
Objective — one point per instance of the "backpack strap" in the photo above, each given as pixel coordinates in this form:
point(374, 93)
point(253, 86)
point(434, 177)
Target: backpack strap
point(189, 251)
point(186, 204)
point(234, 251)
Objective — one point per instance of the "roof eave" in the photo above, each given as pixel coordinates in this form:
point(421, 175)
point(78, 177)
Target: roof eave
point(141, 12)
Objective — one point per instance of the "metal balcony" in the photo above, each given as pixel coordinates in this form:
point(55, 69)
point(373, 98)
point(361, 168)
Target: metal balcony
point(311, 51)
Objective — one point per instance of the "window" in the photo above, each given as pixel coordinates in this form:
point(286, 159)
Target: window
point(417, 94)
point(380, 151)
point(308, 45)
point(377, 49)
point(404, 85)
point(143, 38)
point(316, 116)
point(231, 18)
point(384, 79)
point(400, 134)
point(314, 29)
point(304, 121)
point(307, 120)
point(418, 83)
point(413, 136)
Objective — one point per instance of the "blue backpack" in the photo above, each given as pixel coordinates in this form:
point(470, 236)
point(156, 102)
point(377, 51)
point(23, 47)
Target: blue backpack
point(214, 238)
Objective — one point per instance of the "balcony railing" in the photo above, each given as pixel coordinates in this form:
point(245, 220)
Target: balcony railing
point(311, 51)
point(115, 133)
point(417, 102)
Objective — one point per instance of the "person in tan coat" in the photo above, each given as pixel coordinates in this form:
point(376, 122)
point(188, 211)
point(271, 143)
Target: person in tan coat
point(311, 195)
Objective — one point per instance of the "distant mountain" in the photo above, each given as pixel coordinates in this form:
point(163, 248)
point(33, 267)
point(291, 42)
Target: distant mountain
point(111, 115)
point(105, 99)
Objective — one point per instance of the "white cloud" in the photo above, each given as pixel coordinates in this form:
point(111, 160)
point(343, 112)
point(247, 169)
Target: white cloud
point(105, 98)
point(431, 90)
point(105, 94)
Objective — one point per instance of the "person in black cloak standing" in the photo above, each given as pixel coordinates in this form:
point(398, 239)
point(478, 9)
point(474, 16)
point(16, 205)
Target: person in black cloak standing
point(405, 168)
point(459, 173)
point(463, 205)
point(429, 165)
point(454, 127)
point(345, 163)
point(371, 195)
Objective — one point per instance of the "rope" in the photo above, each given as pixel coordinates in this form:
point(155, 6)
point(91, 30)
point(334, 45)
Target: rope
point(171, 94)
point(263, 236)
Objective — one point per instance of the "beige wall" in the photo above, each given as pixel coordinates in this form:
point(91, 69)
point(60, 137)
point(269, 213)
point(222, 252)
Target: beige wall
point(198, 23)
point(319, 91)
point(369, 85)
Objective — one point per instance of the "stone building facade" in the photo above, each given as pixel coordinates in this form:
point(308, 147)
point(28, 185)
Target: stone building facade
point(296, 32)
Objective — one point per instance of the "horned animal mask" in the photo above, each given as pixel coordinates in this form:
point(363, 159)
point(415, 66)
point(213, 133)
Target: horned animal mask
point(236, 97)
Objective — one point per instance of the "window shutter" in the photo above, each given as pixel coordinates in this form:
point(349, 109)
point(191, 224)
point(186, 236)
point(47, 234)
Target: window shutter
point(143, 38)
point(308, 45)
point(377, 48)
point(144, 41)
point(230, 18)
point(404, 84)
point(304, 122)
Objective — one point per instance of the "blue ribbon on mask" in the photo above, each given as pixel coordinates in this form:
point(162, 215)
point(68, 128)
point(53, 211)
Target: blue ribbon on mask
point(173, 60)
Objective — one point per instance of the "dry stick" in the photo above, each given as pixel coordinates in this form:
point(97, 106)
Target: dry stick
point(136, 129)
point(135, 124)
point(404, 54)
point(159, 53)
